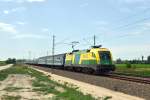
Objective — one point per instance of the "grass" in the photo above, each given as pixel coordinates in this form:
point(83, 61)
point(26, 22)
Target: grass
point(108, 98)
point(11, 89)
point(135, 65)
point(72, 94)
point(141, 70)
point(13, 70)
point(44, 85)
point(2, 63)
point(7, 97)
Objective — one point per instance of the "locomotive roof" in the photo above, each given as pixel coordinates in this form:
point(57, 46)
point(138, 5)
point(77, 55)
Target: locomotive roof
point(51, 56)
point(88, 50)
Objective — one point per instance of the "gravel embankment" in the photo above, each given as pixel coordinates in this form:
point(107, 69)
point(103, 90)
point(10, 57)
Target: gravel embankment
point(131, 88)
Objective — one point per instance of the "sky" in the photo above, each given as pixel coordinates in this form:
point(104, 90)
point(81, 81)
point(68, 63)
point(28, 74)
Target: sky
point(27, 27)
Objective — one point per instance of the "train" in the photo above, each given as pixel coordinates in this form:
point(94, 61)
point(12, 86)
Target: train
point(93, 60)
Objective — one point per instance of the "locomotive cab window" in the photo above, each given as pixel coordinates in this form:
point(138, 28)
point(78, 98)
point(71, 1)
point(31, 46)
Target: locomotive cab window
point(105, 55)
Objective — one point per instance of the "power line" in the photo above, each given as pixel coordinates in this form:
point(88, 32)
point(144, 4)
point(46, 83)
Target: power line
point(62, 41)
point(118, 28)
point(87, 43)
point(136, 14)
point(134, 23)
point(129, 25)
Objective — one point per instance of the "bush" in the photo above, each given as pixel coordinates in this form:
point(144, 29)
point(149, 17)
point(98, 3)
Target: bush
point(128, 65)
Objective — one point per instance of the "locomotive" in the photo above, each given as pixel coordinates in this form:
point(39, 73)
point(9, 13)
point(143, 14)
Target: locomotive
point(96, 59)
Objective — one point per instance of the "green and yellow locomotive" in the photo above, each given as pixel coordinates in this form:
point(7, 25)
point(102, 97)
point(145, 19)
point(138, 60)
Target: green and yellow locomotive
point(95, 59)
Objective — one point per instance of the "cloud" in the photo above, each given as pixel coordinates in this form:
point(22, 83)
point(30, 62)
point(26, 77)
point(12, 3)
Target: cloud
point(36, 0)
point(22, 36)
point(45, 30)
point(101, 26)
point(6, 12)
point(4, 27)
point(11, 29)
point(17, 9)
point(21, 23)
point(130, 1)
point(84, 4)
point(146, 25)
point(135, 1)
point(125, 10)
point(101, 23)
point(23, 1)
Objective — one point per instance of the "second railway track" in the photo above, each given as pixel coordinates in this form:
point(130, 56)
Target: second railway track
point(129, 78)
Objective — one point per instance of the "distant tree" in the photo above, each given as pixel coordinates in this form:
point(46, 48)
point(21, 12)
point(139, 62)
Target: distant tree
point(8, 61)
point(148, 59)
point(119, 61)
point(11, 61)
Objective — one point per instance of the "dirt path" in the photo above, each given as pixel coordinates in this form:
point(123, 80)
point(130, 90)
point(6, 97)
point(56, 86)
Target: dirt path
point(5, 67)
point(98, 92)
point(20, 87)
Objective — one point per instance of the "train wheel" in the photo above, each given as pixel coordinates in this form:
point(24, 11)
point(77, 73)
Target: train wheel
point(88, 70)
point(78, 69)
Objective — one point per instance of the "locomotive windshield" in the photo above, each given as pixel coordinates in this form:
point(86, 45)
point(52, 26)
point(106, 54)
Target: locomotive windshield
point(105, 57)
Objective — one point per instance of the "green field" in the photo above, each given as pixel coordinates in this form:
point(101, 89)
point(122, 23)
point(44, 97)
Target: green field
point(43, 84)
point(2, 63)
point(142, 70)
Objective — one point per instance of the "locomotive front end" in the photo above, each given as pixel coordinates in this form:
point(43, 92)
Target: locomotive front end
point(105, 60)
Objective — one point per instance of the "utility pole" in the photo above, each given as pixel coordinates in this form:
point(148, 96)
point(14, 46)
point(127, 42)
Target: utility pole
point(29, 52)
point(94, 40)
point(46, 57)
point(29, 59)
point(142, 59)
point(53, 49)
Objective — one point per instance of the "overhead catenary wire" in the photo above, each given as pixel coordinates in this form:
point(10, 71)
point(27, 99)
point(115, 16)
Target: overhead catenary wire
point(118, 28)
point(135, 14)
point(87, 42)
point(62, 42)
point(133, 23)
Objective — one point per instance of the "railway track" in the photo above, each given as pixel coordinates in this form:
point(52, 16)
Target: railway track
point(121, 77)
point(129, 78)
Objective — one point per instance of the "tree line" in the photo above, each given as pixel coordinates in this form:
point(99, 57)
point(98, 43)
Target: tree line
point(119, 61)
point(10, 61)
